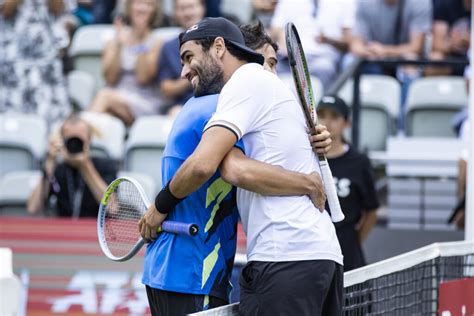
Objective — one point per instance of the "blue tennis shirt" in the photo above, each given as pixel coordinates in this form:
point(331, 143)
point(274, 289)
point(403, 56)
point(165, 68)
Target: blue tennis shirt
point(201, 264)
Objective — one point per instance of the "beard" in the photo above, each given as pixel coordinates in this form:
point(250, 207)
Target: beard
point(210, 78)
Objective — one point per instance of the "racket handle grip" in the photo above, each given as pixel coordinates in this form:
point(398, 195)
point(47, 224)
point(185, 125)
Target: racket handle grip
point(336, 212)
point(179, 228)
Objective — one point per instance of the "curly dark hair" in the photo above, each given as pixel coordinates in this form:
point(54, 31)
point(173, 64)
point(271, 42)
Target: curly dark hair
point(255, 36)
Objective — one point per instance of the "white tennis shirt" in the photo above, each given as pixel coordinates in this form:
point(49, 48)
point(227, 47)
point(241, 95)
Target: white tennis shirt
point(259, 108)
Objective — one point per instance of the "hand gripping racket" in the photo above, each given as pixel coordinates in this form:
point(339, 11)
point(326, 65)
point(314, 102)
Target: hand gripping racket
point(122, 206)
point(302, 80)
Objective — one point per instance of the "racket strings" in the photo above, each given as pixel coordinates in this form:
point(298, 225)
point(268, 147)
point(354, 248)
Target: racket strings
point(123, 212)
point(303, 75)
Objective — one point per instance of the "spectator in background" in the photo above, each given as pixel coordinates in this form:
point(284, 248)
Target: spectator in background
point(391, 28)
point(102, 11)
point(459, 118)
point(76, 185)
point(32, 38)
point(213, 8)
point(62, 11)
point(353, 177)
point(451, 33)
point(84, 12)
point(459, 213)
point(177, 90)
point(458, 216)
point(324, 27)
point(387, 29)
point(129, 64)
point(263, 11)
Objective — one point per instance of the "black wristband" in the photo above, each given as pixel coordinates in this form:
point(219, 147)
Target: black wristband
point(165, 201)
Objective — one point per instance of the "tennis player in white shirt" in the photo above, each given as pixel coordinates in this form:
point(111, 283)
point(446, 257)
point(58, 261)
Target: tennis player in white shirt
point(294, 258)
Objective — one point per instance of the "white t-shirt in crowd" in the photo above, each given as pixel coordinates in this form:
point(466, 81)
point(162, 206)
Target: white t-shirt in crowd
point(259, 108)
point(329, 17)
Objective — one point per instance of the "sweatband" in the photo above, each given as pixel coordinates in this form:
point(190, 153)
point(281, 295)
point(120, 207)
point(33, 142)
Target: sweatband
point(165, 201)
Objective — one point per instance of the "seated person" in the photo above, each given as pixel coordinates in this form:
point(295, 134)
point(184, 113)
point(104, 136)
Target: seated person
point(391, 29)
point(32, 39)
point(263, 11)
point(324, 28)
point(177, 90)
point(76, 184)
point(374, 35)
point(102, 11)
point(129, 65)
point(451, 34)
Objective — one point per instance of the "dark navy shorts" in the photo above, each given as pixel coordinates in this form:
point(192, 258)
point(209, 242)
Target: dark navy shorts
point(300, 288)
point(166, 303)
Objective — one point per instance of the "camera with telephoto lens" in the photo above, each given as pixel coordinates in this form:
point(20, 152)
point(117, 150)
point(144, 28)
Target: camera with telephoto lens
point(74, 145)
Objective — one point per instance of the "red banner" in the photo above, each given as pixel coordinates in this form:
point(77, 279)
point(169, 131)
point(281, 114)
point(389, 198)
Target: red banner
point(456, 298)
point(63, 270)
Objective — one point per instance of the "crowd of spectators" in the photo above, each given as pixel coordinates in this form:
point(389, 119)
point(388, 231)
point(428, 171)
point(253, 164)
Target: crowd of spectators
point(129, 64)
point(142, 72)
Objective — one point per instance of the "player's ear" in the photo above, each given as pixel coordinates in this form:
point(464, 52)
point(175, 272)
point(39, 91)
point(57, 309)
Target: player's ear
point(219, 47)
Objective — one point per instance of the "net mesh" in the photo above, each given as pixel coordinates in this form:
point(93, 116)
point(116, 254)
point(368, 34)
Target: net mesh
point(123, 211)
point(404, 285)
point(412, 291)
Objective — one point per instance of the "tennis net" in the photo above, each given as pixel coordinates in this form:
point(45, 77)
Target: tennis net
point(407, 284)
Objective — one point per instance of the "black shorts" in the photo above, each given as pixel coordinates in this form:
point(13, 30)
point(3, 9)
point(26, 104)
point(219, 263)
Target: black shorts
point(165, 303)
point(291, 288)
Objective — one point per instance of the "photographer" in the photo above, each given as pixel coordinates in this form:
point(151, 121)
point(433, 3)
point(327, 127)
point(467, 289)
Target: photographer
point(74, 186)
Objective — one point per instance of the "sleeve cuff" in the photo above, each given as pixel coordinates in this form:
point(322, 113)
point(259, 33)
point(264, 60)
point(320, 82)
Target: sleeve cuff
point(230, 126)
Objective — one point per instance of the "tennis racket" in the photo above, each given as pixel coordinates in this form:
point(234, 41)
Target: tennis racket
point(302, 80)
point(122, 206)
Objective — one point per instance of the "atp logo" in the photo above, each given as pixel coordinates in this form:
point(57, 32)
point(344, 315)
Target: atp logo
point(103, 292)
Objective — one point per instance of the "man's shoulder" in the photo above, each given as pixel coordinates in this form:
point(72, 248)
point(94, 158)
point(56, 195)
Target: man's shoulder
point(352, 156)
point(256, 87)
point(250, 69)
point(170, 48)
point(197, 109)
point(251, 76)
point(171, 44)
point(354, 153)
point(200, 104)
point(358, 158)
